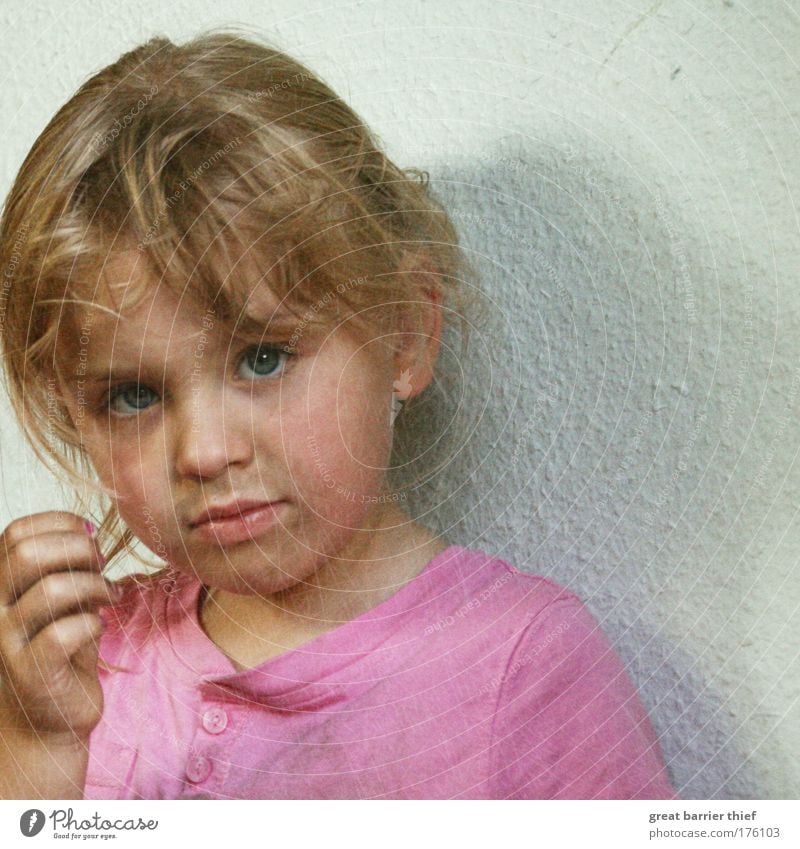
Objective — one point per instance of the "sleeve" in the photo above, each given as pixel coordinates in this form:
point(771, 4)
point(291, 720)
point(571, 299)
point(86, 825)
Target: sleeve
point(569, 723)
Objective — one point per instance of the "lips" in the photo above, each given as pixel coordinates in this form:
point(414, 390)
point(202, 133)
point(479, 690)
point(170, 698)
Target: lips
point(237, 522)
point(226, 511)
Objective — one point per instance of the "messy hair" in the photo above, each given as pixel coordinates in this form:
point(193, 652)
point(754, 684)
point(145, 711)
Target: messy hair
point(195, 155)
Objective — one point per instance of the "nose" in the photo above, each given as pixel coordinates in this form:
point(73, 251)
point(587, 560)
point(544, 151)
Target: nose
point(210, 434)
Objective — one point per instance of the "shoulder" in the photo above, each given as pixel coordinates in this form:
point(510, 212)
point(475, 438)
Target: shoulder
point(553, 631)
point(567, 720)
point(506, 615)
point(551, 643)
point(142, 611)
point(522, 600)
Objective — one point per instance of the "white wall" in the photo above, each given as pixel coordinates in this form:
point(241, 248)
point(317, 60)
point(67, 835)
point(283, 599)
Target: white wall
point(626, 175)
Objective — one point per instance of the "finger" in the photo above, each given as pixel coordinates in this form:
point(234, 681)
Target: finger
point(53, 647)
point(51, 521)
point(34, 557)
point(40, 523)
point(57, 595)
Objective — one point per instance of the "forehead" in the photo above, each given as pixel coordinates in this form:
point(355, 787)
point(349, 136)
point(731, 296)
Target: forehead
point(126, 293)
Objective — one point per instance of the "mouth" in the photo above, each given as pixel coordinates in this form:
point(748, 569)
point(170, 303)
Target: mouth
point(229, 510)
point(236, 522)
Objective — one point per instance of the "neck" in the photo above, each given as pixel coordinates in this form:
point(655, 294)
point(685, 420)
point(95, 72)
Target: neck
point(252, 628)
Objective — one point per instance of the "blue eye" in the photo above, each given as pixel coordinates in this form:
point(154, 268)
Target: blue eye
point(137, 396)
point(264, 361)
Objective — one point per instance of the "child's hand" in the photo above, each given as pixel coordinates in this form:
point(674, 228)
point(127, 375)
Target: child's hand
point(50, 591)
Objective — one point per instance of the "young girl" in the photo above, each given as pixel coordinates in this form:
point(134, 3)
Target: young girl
point(218, 295)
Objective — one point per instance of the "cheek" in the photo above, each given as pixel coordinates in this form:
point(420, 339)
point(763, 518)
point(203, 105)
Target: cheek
point(338, 445)
point(362, 432)
point(144, 503)
point(136, 483)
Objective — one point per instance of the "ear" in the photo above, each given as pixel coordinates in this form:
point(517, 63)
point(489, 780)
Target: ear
point(421, 329)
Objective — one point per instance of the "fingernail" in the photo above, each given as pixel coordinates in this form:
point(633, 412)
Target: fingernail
point(90, 528)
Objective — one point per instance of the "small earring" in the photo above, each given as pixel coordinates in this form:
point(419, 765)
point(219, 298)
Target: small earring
point(402, 384)
point(395, 408)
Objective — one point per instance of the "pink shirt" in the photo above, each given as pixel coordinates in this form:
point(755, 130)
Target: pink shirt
point(473, 681)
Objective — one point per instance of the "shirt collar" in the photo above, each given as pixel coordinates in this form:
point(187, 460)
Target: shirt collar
point(323, 671)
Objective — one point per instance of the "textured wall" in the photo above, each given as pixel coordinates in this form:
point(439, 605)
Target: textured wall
point(624, 175)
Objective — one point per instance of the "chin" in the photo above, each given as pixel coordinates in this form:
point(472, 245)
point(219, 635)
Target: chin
point(256, 580)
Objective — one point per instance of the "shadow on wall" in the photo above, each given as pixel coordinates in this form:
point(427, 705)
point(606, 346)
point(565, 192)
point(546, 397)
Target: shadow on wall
point(556, 436)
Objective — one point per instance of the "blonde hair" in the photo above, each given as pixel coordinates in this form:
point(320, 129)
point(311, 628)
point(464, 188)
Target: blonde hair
point(195, 155)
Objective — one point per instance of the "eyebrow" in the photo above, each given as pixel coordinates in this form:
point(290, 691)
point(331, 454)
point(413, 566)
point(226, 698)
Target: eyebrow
point(247, 328)
point(280, 322)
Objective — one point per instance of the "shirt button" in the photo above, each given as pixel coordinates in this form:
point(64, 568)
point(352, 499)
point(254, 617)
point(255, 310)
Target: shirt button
point(198, 768)
point(215, 720)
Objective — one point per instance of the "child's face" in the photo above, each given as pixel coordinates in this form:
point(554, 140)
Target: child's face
point(193, 417)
